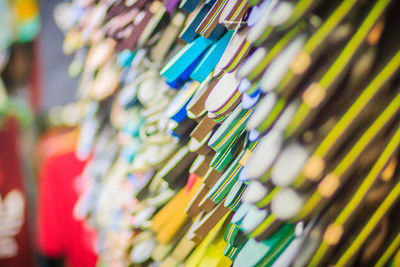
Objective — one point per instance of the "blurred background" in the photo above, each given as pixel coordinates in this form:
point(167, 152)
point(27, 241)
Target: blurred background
point(37, 194)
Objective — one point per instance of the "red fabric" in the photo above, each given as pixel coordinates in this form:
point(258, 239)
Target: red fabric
point(11, 180)
point(59, 234)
